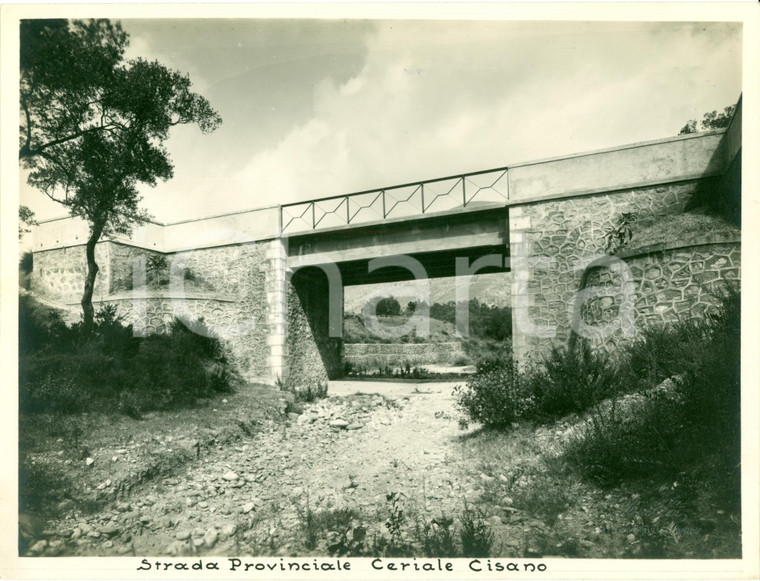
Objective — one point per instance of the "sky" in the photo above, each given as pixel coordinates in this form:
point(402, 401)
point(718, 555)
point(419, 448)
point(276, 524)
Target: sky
point(314, 108)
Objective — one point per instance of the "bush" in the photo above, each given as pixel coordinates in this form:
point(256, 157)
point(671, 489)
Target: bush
point(39, 327)
point(572, 379)
point(63, 370)
point(496, 396)
point(695, 418)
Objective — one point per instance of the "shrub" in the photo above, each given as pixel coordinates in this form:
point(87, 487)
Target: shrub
point(63, 370)
point(39, 326)
point(495, 397)
point(572, 379)
point(476, 536)
point(697, 418)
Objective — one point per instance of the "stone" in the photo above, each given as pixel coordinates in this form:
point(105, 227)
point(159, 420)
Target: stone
point(228, 530)
point(230, 476)
point(210, 538)
point(339, 424)
point(38, 547)
point(355, 426)
point(247, 507)
point(89, 461)
point(631, 538)
point(203, 504)
point(182, 535)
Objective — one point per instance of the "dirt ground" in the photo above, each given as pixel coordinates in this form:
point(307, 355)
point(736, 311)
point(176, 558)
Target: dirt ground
point(245, 498)
point(350, 454)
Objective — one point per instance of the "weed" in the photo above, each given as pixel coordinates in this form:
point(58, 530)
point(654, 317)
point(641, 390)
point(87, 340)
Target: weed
point(394, 522)
point(620, 234)
point(436, 537)
point(475, 534)
point(544, 497)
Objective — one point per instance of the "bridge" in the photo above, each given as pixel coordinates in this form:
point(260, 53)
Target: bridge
point(269, 281)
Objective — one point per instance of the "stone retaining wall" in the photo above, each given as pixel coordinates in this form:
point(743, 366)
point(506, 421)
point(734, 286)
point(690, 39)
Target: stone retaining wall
point(395, 354)
point(669, 284)
point(565, 232)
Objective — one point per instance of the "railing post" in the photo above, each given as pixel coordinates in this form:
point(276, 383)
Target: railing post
point(383, 192)
point(422, 196)
point(464, 194)
point(348, 211)
point(313, 216)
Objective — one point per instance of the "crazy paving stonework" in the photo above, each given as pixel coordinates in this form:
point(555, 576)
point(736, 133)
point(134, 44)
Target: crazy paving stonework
point(669, 284)
point(551, 244)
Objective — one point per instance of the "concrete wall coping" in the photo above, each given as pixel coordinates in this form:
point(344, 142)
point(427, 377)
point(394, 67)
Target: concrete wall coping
point(666, 246)
point(636, 145)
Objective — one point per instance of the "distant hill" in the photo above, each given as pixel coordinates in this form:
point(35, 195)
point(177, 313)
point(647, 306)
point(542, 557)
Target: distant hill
point(492, 289)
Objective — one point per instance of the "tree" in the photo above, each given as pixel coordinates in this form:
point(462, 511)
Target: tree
point(710, 121)
point(388, 307)
point(25, 218)
point(93, 125)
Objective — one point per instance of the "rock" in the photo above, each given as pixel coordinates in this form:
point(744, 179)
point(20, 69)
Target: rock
point(203, 504)
point(210, 538)
point(108, 544)
point(89, 461)
point(339, 424)
point(110, 530)
point(66, 505)
point(189, 502)
point(533, 552)
point(355, 426)
point(230, 476)
point(198, 542)
point(176, 548)
point(248, 507)
point(182, 535)
point(631, 538)
point(38, 547)
point(229, 530)
point(123, 506)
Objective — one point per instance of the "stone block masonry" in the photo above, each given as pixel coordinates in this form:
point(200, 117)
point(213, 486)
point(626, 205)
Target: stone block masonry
point(396, 354)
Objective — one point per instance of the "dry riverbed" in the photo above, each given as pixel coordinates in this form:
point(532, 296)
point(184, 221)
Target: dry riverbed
point(358, 455)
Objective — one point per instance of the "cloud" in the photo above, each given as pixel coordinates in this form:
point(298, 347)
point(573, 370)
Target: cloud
point(426, 104)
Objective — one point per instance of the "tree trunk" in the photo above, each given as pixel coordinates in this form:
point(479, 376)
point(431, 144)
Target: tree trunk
point(89, 281)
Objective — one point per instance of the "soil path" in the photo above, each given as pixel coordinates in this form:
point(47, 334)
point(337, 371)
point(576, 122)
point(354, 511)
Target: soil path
point(348, 451)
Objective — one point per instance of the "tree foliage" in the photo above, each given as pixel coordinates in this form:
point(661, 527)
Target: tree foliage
point(710, 121)
point(93, 125)
point(25, 219)
point(388, 307)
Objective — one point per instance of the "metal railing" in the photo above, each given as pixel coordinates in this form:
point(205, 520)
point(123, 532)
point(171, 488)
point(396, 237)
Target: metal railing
point(487, 188)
